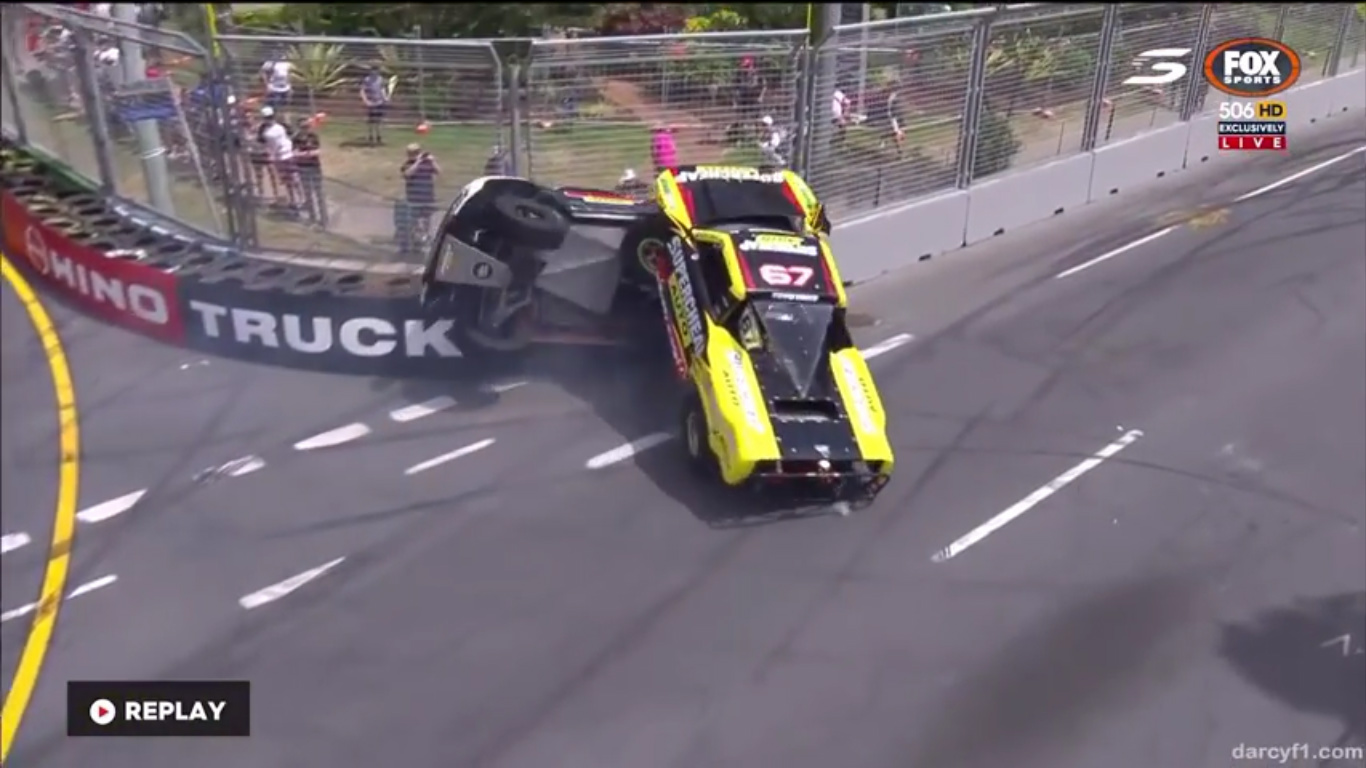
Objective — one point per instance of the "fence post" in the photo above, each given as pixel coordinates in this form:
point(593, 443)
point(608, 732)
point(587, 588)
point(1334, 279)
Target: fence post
point(801, 111)
point(1104, 53)
point(973, 100)
point(1195, 81)
point(513, 108)
point(86, 81)
point(823, 70)
point(148, 132)
point(11, 90)
point(1330, 68)
point(1279, 31)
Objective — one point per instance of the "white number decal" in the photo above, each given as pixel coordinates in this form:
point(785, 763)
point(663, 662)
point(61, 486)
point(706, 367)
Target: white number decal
point(779, 275)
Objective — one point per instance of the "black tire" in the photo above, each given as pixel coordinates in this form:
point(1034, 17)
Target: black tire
point(460, 303)
point(692, 430)
point(528, 223)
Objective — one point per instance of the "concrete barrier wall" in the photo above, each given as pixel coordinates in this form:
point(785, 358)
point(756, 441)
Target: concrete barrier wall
point(877, 244)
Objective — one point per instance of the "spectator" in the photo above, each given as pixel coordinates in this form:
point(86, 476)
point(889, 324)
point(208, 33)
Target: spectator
point(749, 95)
point(277, 74)
point(419, 172)
point(258, 157)
point(887, 118)
point(499, 162)
point(630, 184)
point(280, 151)
point(663, 150)
point(308, 160)
point(374, 94)
point(840, 113)
point(771, 143)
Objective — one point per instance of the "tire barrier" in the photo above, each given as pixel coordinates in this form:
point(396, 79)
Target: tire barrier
point(207, 297)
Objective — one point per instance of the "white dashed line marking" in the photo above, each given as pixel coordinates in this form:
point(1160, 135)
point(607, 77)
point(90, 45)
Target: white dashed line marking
point(335, 437)
point(1116, 252)
point(105, 510)
point(887, 345)
point(276, 591)
point(445, 457)
point(84, 589)
point(1032, 500)
point(237, 467)
point(12, 541)
point(506, 386)
point(624, 452)
point(195, 364)
point(419, 410)
point(1299, 175)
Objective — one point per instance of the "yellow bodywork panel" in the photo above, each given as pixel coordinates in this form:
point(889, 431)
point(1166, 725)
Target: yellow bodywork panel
point(867, 418)
point(738, 427)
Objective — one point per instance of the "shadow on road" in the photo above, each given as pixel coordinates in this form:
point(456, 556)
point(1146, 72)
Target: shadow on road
point(1311, 656)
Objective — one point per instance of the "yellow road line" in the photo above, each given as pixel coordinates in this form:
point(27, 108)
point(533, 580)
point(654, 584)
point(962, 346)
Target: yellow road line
point(64, 525)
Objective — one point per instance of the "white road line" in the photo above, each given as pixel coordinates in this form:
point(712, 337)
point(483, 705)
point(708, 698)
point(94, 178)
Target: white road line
point(86, 588)
point(237, 467)
point(12, 541)
point(1299, 175)
point(105, 510)
point(445, 457)
point(506, 386)
point(276, 591)
point(91, 586)
point(887, 345)
point(1029, 502)
point(335, 437)
point(195, 364)
point(419, 410)
point(1114, 253)
point(624, 452)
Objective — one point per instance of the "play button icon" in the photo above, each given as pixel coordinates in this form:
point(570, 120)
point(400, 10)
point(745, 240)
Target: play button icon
point(102, 712)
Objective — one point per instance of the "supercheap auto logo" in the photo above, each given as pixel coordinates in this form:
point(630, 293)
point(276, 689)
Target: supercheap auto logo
point(1248, 67)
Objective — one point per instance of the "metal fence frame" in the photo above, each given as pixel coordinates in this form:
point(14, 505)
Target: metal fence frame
point(981, 40)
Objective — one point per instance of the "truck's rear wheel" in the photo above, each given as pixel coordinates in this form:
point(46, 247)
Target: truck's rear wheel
point(693, 432)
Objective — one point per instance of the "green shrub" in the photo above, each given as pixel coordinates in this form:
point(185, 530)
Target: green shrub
point(996, 145)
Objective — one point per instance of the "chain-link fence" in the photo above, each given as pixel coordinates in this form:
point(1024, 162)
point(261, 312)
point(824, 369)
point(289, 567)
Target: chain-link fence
point(115, 101)
point(876, 114)
point(367, 102)
point(595, 108)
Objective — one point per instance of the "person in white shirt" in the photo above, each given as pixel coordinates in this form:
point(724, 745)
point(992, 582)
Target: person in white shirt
point(277, 75)
point(771, 145)
point(274, 136)
point(839, 113)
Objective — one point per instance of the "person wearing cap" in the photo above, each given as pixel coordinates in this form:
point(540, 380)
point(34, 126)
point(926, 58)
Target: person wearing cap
point(309, 163)
point(771, 142)
point(280, 150)
point(258, 155)
point(663, 150)
point(419, 172)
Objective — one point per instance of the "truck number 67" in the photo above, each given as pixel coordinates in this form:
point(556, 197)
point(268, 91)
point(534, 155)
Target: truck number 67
point(1171, 70)
point(784, 276)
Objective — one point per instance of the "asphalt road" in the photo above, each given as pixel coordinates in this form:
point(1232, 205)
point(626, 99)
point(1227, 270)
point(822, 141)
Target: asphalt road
point(512, 608)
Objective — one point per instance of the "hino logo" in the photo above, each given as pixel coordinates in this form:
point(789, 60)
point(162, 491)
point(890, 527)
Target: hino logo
point(141, 301)
point(357, 336)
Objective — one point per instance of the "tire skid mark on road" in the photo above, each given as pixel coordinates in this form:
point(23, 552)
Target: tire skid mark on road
point(84, 589)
